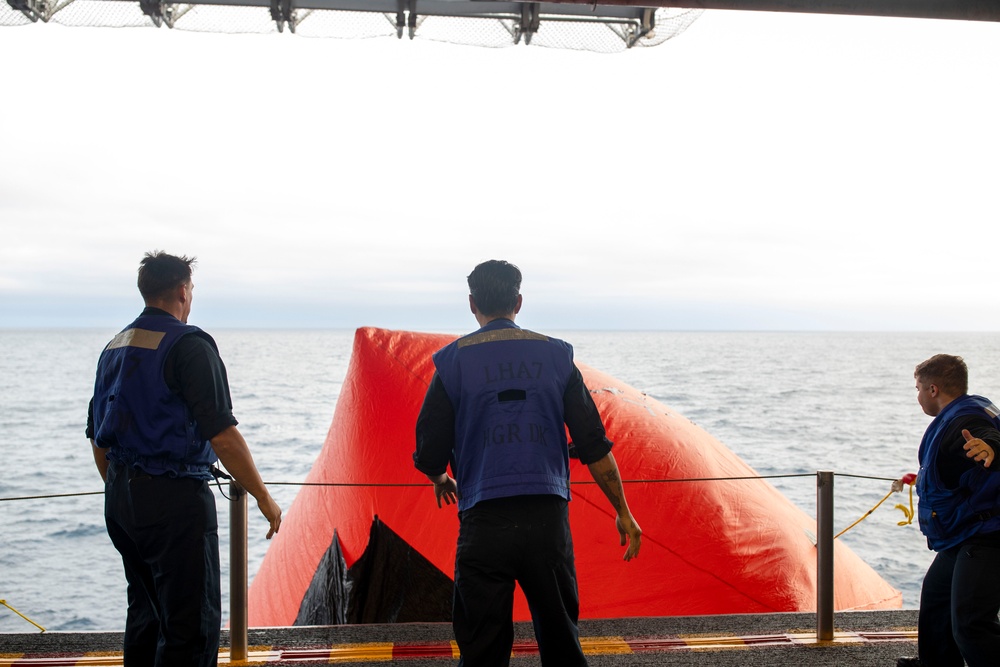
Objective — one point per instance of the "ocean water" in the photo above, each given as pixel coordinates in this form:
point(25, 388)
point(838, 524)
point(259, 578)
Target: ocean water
point(787, 403)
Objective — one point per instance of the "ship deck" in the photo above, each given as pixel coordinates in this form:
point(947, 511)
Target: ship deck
point(772, 640)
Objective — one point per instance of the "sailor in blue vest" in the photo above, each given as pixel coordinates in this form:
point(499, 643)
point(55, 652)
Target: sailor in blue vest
point(161, 416)
point(497, 410)
point(959, 513)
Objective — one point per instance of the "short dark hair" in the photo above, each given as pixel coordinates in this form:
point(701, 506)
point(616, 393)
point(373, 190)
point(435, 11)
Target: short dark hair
point(495, 286)
point(159, 273)
point(947, 371)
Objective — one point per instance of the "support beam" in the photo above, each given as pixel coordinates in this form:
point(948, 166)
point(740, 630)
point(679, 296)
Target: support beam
point(962, 10)
point(824, 555)
point(238, 573)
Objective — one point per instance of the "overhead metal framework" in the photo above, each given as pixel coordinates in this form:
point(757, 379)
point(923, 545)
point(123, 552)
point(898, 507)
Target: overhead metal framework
point(593, 26)
point(604, 26)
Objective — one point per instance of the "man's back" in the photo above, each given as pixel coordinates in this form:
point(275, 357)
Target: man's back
point(506, 386)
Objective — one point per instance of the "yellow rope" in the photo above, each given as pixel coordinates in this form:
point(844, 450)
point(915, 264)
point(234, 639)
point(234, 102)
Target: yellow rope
point(907, 511)
point(4, 603)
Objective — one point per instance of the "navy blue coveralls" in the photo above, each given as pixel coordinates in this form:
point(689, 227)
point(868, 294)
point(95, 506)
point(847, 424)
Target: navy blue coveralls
point(160, 394)
point(497, 410)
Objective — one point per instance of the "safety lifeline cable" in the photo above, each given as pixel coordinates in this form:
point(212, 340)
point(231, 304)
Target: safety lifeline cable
point(4, 603)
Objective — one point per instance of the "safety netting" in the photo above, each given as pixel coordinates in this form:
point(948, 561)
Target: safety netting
point(495, 24)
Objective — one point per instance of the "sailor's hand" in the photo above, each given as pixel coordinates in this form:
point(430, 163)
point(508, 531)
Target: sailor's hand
point(446, 490)
point(271, 512)
point(909, 478)
point(631, 534)
point(977, 450)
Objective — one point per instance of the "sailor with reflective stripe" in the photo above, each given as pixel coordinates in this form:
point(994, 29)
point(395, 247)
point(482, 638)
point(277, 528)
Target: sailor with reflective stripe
point(497, 409)
point(160, 416)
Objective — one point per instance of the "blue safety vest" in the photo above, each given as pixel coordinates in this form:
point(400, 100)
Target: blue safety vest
point(136, 417)
point(506, 385)
point(951, 516)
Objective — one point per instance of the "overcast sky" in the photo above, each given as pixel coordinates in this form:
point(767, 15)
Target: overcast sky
point(759, 171)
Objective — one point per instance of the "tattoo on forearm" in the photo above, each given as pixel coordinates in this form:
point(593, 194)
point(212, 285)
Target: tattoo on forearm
point(611, 483)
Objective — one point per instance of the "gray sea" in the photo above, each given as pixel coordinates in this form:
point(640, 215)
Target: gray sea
point(787, 403)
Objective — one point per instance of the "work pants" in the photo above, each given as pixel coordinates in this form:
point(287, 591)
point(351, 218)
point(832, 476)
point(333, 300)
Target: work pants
point(167, 532)
point(959, 603)
point(524, 539)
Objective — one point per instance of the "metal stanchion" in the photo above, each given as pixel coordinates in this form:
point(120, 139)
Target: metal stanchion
point(824, 555)
point(237, 573)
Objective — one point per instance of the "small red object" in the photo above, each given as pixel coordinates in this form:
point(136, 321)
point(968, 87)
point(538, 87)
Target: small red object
point(909, 478)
